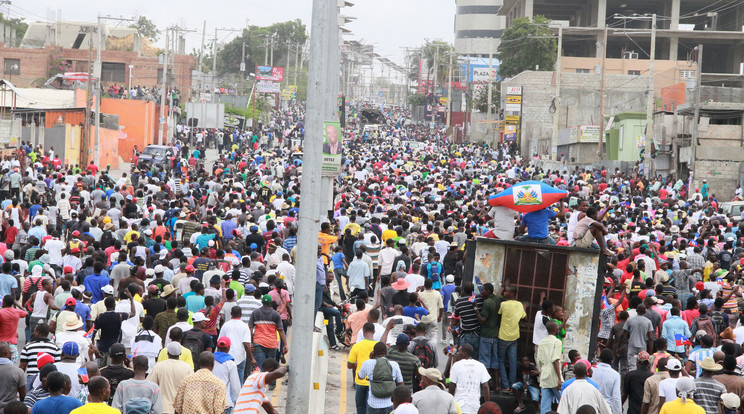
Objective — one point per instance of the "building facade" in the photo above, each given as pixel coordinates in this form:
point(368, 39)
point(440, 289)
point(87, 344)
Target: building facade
point(478, 27)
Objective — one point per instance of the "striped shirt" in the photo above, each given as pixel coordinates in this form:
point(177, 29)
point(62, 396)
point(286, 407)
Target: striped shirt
point(708, 393)
point(373, 251)
point(252, 395)
point(407, 362)
point(265, 322)
point(367, 370)
point(468, 319)
point(698, 356)
point(247, 305)
point(29, 352)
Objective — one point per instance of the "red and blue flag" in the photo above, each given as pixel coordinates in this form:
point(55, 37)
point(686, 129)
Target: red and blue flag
point(681, 340)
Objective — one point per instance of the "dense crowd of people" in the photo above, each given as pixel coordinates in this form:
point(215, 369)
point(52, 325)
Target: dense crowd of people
point(170, 289)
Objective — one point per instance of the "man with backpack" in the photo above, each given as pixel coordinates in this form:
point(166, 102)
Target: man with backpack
point(138, 395)
point(424, 349)
point(383, 376)
point(196, 340)
point(434, 271)
point(704, 323)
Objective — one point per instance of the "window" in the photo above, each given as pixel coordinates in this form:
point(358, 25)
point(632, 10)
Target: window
point(622, 138)
point(687, 74)
point(11, 66)
point(634, 72)
point(78, 41)
point(582, 70)
point(113, 72)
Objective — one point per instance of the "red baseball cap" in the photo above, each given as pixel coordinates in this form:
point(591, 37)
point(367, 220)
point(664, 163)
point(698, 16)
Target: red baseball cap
point(67, 269)
point(42, 358)
point(189, 268)
point(699, 286)
point(224, 342)
point(71, 302)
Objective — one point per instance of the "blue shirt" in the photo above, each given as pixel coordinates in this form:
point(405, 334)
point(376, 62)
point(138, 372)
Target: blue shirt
point(83, 311)
point(93, 284)
point(60, 404)
point(320, 273)
point(203, 240)
point(227, 228)
point(446, 294)
point(7, 282)
point(195, 303)
point(537, 222)
point(674, 325)
point(338, 260)
point(412, 311)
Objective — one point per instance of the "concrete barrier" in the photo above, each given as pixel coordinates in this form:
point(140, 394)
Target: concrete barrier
point(319, 368)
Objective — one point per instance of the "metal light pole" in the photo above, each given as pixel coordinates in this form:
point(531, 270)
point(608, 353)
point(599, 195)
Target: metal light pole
point(130, 78)
point(321, 106)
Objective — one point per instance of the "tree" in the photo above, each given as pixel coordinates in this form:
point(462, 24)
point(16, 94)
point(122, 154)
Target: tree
point(480, 102)
point(416, 99)
point(18, 25)
point(146, 28)
point(437, 54)
point(526, 45)
point(286, 34)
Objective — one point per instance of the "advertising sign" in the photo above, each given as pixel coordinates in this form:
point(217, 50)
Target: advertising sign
point(510, 107)
point(511, 119)
point(269, 73)
point(333, 145)
point(513, 99)
point(513, 90)
point(267, 87)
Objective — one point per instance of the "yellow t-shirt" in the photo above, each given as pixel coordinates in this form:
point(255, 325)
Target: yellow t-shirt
point(95, 408)
point(131, 236)
point(185, 356)
point(389, 234)
point(511, 313)
point(676, 407)
point(357, 355)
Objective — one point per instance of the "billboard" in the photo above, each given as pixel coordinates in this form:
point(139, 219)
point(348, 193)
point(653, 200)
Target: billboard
point(333, 148)
point(267, 87)
point(269, 73)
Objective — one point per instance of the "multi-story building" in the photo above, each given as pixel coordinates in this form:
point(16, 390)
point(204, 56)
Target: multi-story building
point(478, 27)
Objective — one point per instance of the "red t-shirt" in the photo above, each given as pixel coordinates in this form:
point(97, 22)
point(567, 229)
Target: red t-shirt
point(10, 234)
point(93, 169)
point(9, 324)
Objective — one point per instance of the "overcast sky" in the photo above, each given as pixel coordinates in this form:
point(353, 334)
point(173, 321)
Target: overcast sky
point(388, 24)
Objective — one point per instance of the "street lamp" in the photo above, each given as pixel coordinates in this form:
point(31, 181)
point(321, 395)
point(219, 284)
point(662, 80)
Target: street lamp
point(130, 77)
point(13, 68)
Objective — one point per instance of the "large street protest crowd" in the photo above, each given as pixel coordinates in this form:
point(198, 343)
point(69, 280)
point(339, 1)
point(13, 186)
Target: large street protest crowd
point(169, 289)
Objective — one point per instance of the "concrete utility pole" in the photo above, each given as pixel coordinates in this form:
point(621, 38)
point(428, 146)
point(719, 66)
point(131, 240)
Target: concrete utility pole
point(650, 101)
point(86, 134)
point(214, 53)
point(273, 36)
point(490, 89)
point(201, 59)
point(602, 96)
point(323, 88)
point(99, 71)
point(557, 114)
point(696, 117)
point(449, 94)
point(297, 56)
point(163, 91)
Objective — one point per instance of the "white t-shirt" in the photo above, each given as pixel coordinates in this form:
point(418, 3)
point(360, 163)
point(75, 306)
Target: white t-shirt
point(239, 333)
point(416, 281)
point(668, 388)
point(130, 326)
point(54, 248)
point(539, 331)
point(468, 374)
point(379, 330)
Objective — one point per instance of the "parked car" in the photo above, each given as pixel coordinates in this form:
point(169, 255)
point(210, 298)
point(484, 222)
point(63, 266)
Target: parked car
point(155, 155)
point(734, 208)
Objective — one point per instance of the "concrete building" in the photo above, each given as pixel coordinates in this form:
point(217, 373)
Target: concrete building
point(478, 27)
point(51, 48)
point(681, 25)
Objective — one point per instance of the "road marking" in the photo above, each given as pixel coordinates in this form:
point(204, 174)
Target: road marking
point(344, 371)
point(280, 382)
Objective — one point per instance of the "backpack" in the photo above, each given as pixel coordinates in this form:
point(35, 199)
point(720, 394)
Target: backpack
point(719, 323)
point(382, 383)
point(707, 326)
point(138, 405)
point(424, 353)
point(193, 341)
point(107, 239)
point(32, 288)
point(434, 269)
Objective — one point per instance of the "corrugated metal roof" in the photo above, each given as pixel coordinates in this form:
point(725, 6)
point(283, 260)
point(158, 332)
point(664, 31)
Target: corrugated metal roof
point(33, 98)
